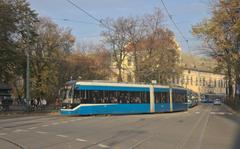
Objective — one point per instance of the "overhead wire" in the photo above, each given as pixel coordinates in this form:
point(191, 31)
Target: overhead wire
point(74, 21)
point(88, 14)
point(175, 25)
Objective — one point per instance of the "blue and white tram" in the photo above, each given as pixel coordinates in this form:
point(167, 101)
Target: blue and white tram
point(92, 98)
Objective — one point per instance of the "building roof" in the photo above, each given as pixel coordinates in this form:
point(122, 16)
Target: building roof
point(207, 70)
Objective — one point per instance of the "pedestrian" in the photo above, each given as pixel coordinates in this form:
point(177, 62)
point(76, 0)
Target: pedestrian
point(57, 103)
point(35, 103)
point(44, 103)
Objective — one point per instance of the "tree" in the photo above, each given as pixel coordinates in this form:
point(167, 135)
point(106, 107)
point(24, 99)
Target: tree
point(159, 57)
point(116, 37)
point(221, 35)
point(50, 48)
point(16, 34)
point(148, 42)
point(89, 62)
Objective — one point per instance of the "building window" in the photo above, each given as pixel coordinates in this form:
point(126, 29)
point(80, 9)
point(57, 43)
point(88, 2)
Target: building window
point(196, 81)
point(204, 82)
point(129, 78)
point(187, 80)
point(182, 80)
point(129, 61)
point(210, 82)
point(215, 83)
point(191, 79)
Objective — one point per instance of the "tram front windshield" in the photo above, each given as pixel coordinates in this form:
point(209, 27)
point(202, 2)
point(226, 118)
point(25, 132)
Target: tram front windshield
point(66, 95)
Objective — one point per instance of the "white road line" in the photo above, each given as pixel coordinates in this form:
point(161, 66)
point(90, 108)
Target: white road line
point(32, 128)
point(41, 132)
point(45, 125)
point(197, 112)
point(2, 134)
point(19, 130)
point(221, 113)
point(55, 123)
point(103, 146)
point(72, 120)
point(81, 140)
point(212, 112)
point(63, 136)
point(64, 122)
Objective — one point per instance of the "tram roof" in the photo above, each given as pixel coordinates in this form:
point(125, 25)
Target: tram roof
point(120, 84)
point(117, 84)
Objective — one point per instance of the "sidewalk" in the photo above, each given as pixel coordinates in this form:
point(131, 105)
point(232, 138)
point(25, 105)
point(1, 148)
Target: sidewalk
point(231, 109)
point(21, 111)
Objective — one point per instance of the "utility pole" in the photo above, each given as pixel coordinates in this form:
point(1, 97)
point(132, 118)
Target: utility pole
point(27, 79)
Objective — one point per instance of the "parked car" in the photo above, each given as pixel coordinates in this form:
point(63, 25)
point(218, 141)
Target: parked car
point(217, 102)
point(204, 100)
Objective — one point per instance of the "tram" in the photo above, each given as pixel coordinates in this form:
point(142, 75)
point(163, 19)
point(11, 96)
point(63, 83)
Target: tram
point(93, 98)
point(192, 99)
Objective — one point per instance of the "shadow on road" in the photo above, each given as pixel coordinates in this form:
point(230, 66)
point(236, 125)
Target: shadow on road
point(236, 119)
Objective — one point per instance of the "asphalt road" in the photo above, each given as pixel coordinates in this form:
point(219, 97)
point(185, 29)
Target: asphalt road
point(202, 127)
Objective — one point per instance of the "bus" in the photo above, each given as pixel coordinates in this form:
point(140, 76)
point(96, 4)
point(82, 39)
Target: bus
point(209, 98)
point(93, 98)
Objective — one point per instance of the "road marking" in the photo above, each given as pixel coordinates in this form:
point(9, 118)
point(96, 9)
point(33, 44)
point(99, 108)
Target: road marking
point(64, 122)
point(2, 134)
point(212, 112)
point(81, 140)
point(197, 112)
point(186, 138)
point(200, 140)
point(63, 136)
point(41, 132)
point(55, 123)
point(103, 146)
point(32, 128)
point(45, 125)
point(72, 120)
point(221, 113)
point(19, 130)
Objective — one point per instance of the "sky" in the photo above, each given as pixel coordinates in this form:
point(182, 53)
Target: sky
point(185, 14)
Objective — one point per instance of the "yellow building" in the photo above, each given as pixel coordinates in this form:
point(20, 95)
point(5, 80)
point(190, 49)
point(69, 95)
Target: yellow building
point(128, 66)
point(127, 69)
point(202, 81)
point(197, 74)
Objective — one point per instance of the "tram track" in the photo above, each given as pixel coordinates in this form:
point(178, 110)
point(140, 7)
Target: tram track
point(12, 142)
point(140, 142)
point(181, 144)
point(130, 136)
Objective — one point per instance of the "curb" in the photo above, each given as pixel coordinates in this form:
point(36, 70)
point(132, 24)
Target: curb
point(21, 113)
point(232, 110)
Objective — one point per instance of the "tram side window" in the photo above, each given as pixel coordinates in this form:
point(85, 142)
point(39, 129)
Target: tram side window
point(179, 97)
point(161, 97)
point(98, 96)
